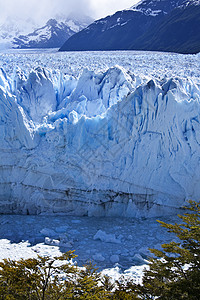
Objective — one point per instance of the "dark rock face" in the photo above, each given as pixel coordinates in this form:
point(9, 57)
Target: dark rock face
point(112, 33)
point(165, 25)
point(177, 32)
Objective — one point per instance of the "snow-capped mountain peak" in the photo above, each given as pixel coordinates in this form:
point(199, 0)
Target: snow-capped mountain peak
point(26, 34)
point(190, 2)
point(155, 7)
point(10, 28)
point(147, 25)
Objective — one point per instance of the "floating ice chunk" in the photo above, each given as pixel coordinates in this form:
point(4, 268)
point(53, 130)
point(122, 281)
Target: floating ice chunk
point(48, 232)
point(114, 259)
point(98, 257)
point(76, 221)
point(106, 238)
point(139, 258)
point(51, 242)
point(66, 244)
point(62, 229)
point(60, 243)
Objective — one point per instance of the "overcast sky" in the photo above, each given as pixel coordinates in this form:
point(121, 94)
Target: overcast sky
point(41, 10)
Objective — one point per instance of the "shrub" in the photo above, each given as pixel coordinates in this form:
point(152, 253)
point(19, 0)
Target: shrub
point(175, 272)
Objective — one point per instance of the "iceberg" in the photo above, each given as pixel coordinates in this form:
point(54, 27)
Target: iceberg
point(104, 143)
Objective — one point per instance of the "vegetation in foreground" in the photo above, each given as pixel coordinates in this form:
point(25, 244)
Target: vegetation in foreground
point(174, 272)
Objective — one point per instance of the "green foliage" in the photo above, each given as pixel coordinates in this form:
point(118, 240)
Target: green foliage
point(51, 278)
point(175, 273)
point(124, 290)
point(35, 278)
point(88, 285)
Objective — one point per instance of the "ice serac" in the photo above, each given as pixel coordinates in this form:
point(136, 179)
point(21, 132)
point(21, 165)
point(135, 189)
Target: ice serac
point(103, 144)
point(36, 95)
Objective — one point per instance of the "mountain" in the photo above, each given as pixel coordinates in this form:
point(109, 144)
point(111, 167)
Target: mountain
point(155, 7)
point(177, 32)
point(11, 28)
point(52, 35)
point(145, 26)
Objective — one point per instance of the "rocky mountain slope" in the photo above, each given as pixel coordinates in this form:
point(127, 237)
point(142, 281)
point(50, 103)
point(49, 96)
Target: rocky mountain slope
point(147, 25)
point(177, 32)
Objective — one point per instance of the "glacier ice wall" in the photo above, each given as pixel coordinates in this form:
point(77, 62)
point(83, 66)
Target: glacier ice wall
point(102, 144)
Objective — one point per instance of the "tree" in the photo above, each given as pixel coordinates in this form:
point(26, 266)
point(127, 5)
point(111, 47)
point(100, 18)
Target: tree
point(175, 272)
point(124, 290)
point(51, 278)
point(36, 278)
point(89, 284)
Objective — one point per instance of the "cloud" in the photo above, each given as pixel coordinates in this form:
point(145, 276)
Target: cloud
point(102, 8)
point(41, 10)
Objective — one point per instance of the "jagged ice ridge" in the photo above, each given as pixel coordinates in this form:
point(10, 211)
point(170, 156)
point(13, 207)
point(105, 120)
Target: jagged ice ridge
point(105, 143)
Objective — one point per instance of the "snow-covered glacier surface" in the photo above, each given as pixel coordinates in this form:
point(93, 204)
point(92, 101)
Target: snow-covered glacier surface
point(99, 134)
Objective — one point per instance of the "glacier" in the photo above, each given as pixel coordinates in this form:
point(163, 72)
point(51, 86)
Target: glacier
point(98, 143)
